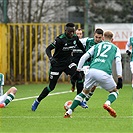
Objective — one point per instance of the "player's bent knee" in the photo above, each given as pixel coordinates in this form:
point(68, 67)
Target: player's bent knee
point(14, 89)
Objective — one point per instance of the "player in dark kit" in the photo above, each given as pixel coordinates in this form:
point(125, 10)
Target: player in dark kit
point(61, 61)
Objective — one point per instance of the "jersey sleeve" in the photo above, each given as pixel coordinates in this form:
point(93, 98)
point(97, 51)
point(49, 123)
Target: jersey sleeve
point(80, 45)
point(87, 55)
point(56, 43)
point(51, 47)
point(118, 53)
point(118, 63)
point(128, 44)
point(83, 41)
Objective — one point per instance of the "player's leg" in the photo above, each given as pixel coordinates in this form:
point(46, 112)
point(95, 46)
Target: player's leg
point(88, 84)
point(2, 99)
point(88, 96)
point(73, 85)
point(9, 96)
point(53, 77)
point(71, 70)
point(109, 84)
point(77, 101)
point(79, 83)
point(111, 98)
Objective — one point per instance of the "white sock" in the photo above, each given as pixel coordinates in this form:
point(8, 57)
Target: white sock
point(108, 102)
point(69, 111)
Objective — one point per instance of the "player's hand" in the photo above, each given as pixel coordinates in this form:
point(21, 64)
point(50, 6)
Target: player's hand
point(53, 61)
point(119, 83)
point(78, 75)
point(128, 52)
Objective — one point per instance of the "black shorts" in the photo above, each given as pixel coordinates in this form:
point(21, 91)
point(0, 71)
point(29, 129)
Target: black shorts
point(57, 70)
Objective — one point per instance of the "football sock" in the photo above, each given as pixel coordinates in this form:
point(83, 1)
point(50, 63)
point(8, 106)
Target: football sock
point(74, 104)
point(88, 96)
point(79, 86)
point(10, 97)
point(43, 94)
point(112, 97)
point(73, 83)
point(79, 98)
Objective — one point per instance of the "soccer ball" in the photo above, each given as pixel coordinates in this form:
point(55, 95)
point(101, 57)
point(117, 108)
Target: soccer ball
point(67, 104)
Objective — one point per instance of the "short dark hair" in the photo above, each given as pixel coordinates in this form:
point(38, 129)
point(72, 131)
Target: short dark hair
point(99, 31)
point(79, 29)
point(70, 25)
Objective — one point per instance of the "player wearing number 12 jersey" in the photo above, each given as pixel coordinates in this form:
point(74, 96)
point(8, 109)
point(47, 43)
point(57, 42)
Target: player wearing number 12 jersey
point(101, 72)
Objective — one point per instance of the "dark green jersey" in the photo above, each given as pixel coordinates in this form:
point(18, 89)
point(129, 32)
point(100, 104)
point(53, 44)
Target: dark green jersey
point(63, 48)
point(89, 43)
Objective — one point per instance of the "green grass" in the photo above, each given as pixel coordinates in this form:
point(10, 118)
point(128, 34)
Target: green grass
point(48, 118)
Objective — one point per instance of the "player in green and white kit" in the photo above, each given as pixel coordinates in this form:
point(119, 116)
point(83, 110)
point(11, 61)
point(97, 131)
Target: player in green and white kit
point(101, 72)
point(98, 36)
point(6, 98)
point(128, 45)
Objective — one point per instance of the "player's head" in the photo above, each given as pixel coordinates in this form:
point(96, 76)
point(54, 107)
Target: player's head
point(70, 29)
point(98, 35)
point(108, 36)
point(79, 33)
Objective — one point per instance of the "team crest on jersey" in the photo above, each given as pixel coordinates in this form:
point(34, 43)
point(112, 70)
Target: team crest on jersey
point(74, 42)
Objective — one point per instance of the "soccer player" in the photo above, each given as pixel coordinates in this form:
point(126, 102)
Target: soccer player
point(77, 53)
point(128, 45)
point(101, 72)
point(61, 61)
point(98, 36)
point(8, 96)
point(88, 43)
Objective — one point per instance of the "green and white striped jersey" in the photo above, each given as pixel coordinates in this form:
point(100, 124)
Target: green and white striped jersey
point(103, 55)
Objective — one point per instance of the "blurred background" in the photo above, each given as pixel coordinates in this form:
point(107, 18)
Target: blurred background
point(29, 26)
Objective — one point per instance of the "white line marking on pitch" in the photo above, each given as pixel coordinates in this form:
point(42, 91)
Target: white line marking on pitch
point(56, 93)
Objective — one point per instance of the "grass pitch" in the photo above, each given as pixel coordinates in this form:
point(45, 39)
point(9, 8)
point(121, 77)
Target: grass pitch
point(48, 118)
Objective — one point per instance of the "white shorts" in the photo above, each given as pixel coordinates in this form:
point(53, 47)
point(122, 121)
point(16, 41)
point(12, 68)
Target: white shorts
point(85, 69)
point(94, 77)
point(131, 66)
point(3, 98)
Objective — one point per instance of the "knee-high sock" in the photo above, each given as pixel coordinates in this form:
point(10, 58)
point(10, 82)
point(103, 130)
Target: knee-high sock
point(79, 98)
point(88, 96)
point(43, 94)
point(79, 85)
point(10, 97)
point(112, 97)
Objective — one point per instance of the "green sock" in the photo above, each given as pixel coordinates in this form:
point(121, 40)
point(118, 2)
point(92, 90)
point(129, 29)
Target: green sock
point(77, 100)
point(10, 97)
point(74, 104)
point(112, 97)
point(89, 96)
